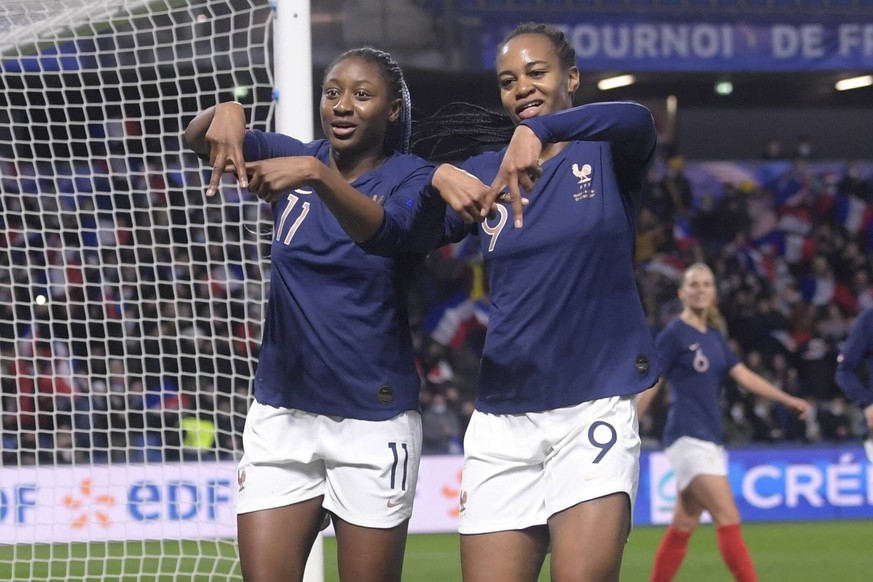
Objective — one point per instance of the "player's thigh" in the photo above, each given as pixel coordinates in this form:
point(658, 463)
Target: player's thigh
point(588, 539)
point(595, 451)
point(504, 556)
point(281, 464)
point(502, 487)
point(715, 495)
point(274, 544)
point(367, 554)
point(372, 469)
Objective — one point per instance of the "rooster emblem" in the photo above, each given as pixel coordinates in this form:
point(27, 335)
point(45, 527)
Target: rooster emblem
point(583, 173)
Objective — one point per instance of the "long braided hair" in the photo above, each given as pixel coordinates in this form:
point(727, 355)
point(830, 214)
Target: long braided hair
point(399, 132)
point(458, 130)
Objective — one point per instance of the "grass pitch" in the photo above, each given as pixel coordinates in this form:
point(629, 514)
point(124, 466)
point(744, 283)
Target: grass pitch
point(799, 552)
point(796, 551)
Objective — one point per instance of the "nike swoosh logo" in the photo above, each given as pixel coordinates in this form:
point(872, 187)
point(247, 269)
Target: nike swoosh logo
point(392, 503)
point(303, 191)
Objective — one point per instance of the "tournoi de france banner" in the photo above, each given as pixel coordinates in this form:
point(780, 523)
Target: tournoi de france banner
point(657, 42)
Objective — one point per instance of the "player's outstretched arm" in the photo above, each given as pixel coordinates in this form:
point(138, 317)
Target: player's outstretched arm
point(359, 215)
point(627, 125)
point(755, 384)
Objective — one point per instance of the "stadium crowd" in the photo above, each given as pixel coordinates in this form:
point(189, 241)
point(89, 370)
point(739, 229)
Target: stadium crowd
point(130, 304)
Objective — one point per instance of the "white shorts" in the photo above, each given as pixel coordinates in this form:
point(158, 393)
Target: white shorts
point(691, 457)
point(520, 469)
point(366, 470)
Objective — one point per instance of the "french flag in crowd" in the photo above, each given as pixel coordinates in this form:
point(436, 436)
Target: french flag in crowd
point(795, 220)
point(757, 262)
point(790, 189)
point(452, 321)
point(682, 233)
point(669, 266)
point(852, 213)
point(794, 248)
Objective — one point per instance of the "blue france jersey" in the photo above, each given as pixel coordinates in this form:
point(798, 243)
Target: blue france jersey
point(566, 324)
point(855, 355)
point(695, 364)
point(336, 337)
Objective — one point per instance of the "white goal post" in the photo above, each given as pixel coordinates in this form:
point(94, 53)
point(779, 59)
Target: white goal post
point(130, 305)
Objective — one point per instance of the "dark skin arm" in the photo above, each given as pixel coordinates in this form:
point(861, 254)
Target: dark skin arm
point(360, 216)
point(219, 132)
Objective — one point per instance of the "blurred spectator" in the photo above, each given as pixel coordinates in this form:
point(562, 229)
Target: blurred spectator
point(803, 148)
point(440, 428)
point(651, 235)
point(765, 428)
point(816, 367)
point(852, 183)
point(677, 187)
point(834, 420)
point(734, 214)
point(706, 223)
point(738, 430)
point(773, 150)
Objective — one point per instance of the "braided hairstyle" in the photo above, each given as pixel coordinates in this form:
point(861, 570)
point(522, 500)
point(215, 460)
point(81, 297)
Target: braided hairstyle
point(459, 130)
point(399, 132)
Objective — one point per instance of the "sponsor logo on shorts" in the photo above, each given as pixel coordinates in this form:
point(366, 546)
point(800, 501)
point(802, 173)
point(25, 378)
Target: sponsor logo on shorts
point(241, 479)
point(394, 503)
point(463, 502)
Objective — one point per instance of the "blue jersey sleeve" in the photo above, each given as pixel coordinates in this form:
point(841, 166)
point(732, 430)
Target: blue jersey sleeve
point(629, 129)
point(858, 349)
point(730, 358)
point(261, 145)
point(626, 125)
point(415, 223)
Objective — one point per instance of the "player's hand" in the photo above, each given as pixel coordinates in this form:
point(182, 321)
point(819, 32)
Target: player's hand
point(464, 192)
point(270, 179)
point(799, 406)
point(225, 140)
point(519, 171)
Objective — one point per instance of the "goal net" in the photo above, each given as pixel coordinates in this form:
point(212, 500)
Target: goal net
point(130, 305)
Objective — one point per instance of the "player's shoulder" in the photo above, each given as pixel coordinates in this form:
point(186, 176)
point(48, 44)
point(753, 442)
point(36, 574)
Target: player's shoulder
point(404, 164)
point(675, 327)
